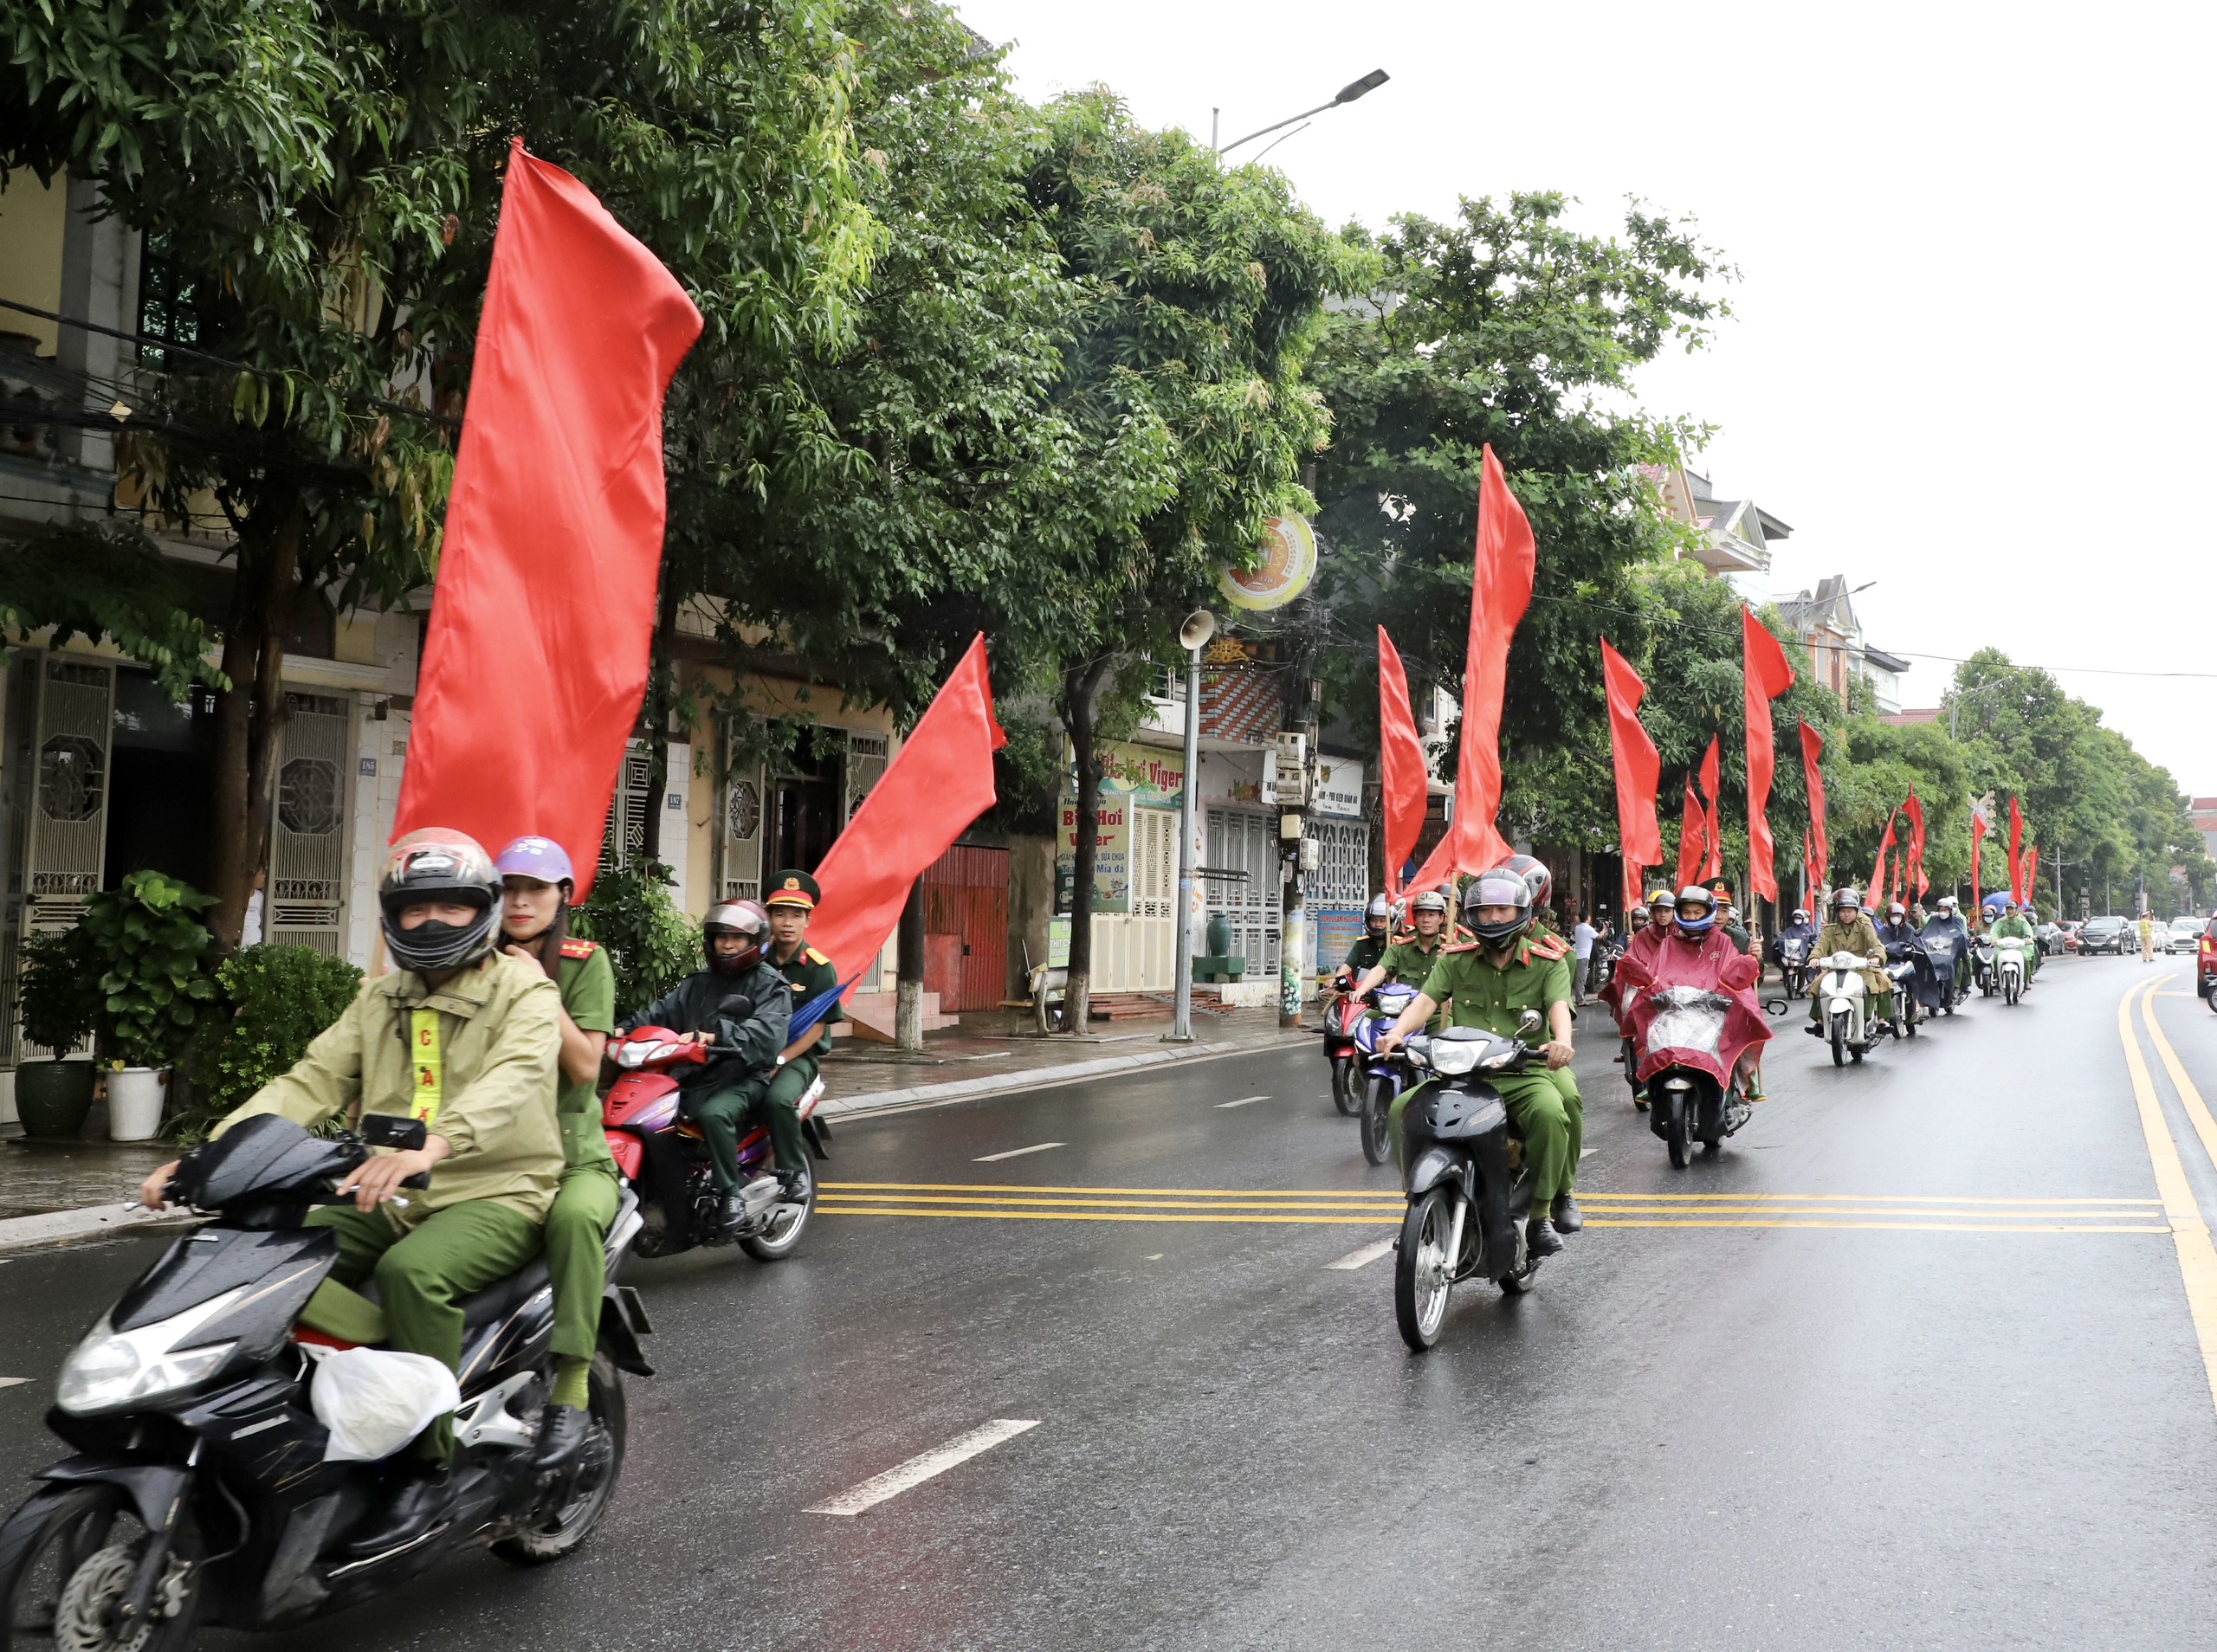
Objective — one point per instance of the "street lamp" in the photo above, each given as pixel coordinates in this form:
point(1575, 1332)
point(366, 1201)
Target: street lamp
point(1955, 705)
point(1193, 636)
point(1346, 94)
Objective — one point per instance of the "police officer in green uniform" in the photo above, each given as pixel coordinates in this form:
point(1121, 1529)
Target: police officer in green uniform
point(1490, 983)
point(536, 887)
point(791, 900)
point(1415, 950)
point(1377, 923)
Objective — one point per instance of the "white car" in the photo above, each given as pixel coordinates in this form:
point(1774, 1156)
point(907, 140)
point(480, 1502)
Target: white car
point(2185, 935)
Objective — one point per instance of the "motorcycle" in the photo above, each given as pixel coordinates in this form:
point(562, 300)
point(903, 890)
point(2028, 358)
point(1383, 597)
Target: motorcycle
point(1916, 986)
point(199, 1494)
point(1945, 948)
point(1793, 963)
point(1384, 1076)
point(1469, 1193)
point(664, 1156)
point(1691, 1028)
point(1343, 1013)
point(1847, 1005)
point(2009, 969)
point(1982, 973)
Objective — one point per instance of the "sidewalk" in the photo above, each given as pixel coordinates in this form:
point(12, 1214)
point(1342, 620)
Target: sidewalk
point(63, 1192)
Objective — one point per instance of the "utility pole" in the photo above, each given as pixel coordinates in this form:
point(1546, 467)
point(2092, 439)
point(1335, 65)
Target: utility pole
point(1193, 636)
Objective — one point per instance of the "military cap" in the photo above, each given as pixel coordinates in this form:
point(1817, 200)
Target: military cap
point(791, 888)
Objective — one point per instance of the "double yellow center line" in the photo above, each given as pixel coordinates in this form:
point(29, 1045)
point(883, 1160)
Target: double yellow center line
point(1916, 1213)
point(2190, 1233)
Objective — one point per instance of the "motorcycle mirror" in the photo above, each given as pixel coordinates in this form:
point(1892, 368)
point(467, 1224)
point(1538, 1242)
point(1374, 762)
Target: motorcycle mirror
point(736, 1006)
point(384, 1130)
point(1529, 1022)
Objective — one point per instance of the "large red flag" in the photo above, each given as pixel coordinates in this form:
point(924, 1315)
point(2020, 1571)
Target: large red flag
point(544, 610)
point(1978, 837)
point(1817, 851)
point(1501, 589)
point(1713, 830)
point(2016, 854)
point(940, 781)
point(1766, 676)
point(1878, 879)
point(1403, 782)
point(1693, 838)
point(1915, 811)
point(1639, 767)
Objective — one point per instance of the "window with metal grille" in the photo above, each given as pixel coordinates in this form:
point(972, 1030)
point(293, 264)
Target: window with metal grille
point(1342, 874)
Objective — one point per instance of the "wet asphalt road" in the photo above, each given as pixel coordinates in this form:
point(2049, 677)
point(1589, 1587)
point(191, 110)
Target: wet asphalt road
point(1914, 1415)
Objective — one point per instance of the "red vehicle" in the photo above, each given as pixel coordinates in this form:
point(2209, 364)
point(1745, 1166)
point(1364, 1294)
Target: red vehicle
point(2070, 935)
point(1342, 1014)
point(662, 1154)
point(2205, 963)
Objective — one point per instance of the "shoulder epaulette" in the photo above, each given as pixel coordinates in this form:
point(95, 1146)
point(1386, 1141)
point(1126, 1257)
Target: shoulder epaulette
point(1470, 945)
point(578, 947)
point(1400, 938)
point(815, 956)
point(1550, 946)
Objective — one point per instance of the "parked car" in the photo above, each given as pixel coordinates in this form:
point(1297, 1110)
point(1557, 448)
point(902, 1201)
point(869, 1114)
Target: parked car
point(2107, 935)
point(2070, 934)
point(2051, 938)
point(2205, 965)
point(2185, 935)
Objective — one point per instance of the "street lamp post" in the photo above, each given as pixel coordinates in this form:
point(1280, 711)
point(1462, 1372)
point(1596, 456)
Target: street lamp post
point(1193, 636)
point(1346, 94)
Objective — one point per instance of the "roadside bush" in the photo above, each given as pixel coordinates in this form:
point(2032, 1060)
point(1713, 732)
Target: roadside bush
point(273, 1001)
point(648, 940)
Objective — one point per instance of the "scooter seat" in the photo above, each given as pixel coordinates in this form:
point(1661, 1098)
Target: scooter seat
point(498, 1300)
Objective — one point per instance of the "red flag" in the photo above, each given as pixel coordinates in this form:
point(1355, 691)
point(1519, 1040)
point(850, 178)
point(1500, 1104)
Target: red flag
point(1639, 767)
point(1693, 838)
point(1501, 589)
point(1878, 879)
point(544, 611)
point(2016, 854)
point(1404, 784)
point(1712, 830)
point(1915, 811)
point(1978, 837)
point(940, 781)
point(1765, 675)
point(1817, 852)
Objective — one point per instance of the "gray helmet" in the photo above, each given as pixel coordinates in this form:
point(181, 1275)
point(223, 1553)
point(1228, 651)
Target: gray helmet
point(1845, 896)
point(1505, 886)
point(1429, 901)
point(436, 864)
point(746, 918)
point(1379, 908)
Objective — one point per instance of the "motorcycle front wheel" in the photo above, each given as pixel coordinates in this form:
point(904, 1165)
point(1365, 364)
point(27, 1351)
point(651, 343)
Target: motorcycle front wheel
point(1345, 1096)
point(552, 1532)
point(1839, 1040)
point(1377, 1113)
point(1423, 1271)
point(1679, 1139)
point(68, 1555)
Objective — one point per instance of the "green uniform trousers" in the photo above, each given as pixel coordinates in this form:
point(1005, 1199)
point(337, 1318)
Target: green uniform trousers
point(577, 1258)
point(772, 1100)
point(1880, 1007)
point(1545, 1110)
point(422, 1272)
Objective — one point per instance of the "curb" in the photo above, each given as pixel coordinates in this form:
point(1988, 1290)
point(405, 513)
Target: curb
point(938, 1095)
point(55, 1228)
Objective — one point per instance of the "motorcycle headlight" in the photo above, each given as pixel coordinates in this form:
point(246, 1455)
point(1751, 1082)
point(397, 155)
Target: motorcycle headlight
point(111, 1369)
point(1451, 1057)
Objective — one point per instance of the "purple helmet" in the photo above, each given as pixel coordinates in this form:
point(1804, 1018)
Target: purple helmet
point(536, 857)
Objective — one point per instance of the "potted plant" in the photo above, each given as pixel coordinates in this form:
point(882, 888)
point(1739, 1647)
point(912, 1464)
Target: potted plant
point(151, 950)
point(60, 1002)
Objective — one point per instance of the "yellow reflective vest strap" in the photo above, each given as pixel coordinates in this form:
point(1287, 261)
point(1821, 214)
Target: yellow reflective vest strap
point(423, 1054)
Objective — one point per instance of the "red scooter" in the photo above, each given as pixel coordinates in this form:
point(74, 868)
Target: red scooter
point(1342, 1014)
point(664, 1158)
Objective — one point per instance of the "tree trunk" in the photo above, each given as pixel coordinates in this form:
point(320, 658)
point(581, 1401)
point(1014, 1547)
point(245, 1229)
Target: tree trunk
point(661, 685)
point(249, 716)
point(1080, 692)
point(908, 977)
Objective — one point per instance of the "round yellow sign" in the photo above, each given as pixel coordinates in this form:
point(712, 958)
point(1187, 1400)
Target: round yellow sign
point(1289, 563)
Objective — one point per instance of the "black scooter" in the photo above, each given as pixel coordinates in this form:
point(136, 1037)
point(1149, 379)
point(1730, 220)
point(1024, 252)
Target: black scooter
point(199, 1493)
point(1469, 1192)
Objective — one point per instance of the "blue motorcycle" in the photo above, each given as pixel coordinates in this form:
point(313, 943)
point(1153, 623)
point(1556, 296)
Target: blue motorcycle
point(1384, 1077)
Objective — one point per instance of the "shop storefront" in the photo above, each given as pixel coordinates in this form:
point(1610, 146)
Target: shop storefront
point(1135, 867)
point(1337, 888)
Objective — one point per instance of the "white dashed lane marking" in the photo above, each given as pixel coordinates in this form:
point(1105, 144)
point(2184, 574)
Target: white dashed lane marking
point(918, 1469)
point(1362, 1258)
point(1242, 1101)
point(1019, 1152)
point(13, 1382)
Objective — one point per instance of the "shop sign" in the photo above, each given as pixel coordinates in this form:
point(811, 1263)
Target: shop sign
point(1112, 888)
point(1338, 787)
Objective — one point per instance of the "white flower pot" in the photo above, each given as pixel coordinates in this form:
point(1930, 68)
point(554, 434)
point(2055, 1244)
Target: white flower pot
point(134, 1104)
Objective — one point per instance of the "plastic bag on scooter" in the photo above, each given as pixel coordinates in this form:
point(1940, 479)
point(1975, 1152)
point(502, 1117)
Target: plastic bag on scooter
point(374, 1401)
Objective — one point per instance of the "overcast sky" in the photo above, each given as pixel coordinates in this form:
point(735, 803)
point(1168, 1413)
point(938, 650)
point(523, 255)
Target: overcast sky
point(1972, 351)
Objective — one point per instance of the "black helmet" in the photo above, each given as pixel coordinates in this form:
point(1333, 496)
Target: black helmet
point(1845, 896)
point(435, 864)
point(746, 918)
point(1379, 908)
point(1505, 886)
point(1694, 895)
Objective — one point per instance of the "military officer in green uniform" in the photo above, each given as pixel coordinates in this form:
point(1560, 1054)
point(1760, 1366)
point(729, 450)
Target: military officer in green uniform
point(1491, 983)
point(792, 900)
point(537, 885)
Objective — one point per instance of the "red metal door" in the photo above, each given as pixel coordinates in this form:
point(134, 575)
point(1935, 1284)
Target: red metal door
point(965, 927)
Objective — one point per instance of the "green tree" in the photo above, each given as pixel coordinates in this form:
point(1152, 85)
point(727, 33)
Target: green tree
point(321, 180)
